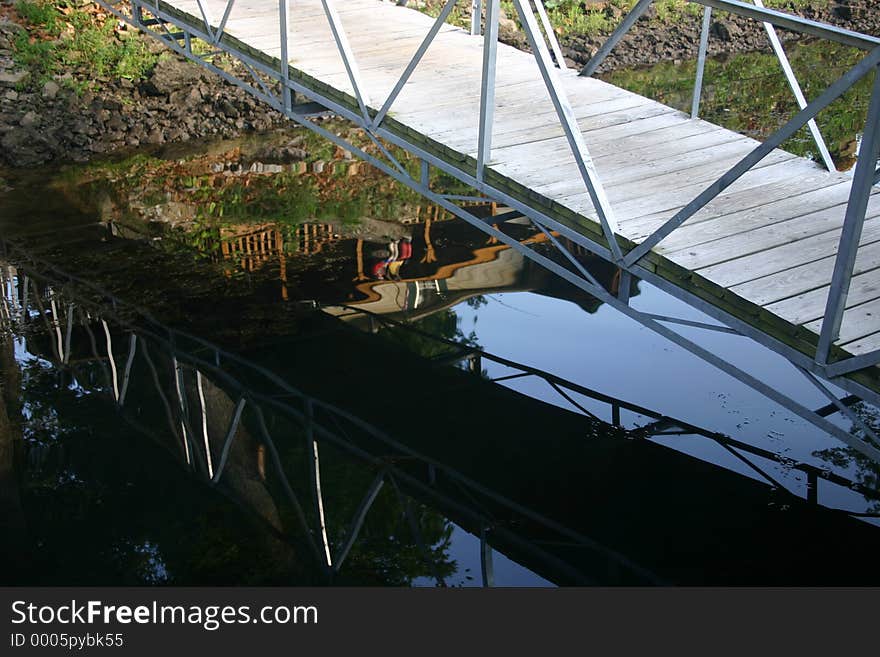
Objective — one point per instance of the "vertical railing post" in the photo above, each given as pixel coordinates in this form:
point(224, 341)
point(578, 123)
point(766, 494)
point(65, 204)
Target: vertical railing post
point(852, 226)
point(791, 78)
point(701, 62)
point(285, 57)
point(476, 16)
point(487, 86)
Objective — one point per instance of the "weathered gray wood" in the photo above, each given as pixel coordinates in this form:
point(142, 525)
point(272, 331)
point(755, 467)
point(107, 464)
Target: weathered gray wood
point(787, 283)
point(810, 306)
point(858, 322)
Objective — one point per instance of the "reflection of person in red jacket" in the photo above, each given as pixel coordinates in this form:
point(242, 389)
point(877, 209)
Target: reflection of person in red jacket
point(379, 269)
point(399, 251)
point(405, 249)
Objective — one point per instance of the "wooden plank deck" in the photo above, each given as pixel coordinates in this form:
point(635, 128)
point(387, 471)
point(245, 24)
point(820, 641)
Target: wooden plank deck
point(763, 248)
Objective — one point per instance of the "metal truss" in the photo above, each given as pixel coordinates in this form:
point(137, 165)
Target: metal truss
point(371, 121)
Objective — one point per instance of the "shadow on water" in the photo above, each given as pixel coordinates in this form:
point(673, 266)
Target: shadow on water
point(198, 392)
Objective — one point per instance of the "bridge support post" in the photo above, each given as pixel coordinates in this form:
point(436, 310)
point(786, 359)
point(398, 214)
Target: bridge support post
point(812, 487)
point(487, 87)
point(701, 62)
point(487, 569)
point(863, 180)
point(284, 55)
point(476, 16)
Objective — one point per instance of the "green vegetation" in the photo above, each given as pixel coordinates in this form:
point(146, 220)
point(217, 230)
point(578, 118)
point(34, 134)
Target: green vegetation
point(576, 18)
point(67, 36)
point(748, 93)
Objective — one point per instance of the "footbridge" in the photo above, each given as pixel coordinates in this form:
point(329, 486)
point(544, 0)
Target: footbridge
point(773, 246)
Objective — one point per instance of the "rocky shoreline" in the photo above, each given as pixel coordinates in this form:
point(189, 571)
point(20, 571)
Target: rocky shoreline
point(179, 101)
point(649, 42)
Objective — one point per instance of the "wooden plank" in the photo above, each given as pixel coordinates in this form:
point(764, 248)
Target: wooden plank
point(858, 322)
point(693, 159)
point(765, 185)
point(809, 306)
point(813, 205)
point(800, 252)
point(864, 345)
point(739, 257)
point(707, 254)
point(805, 277)
point(639, 217)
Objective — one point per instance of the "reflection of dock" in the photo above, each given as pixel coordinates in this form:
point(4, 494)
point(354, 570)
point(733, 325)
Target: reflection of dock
point(574, 498)
point(466, 263)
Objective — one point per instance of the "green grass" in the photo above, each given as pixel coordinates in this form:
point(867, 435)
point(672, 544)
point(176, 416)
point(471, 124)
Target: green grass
point(41, 13)
point(573, 18)
point(56, 42)
point(748, 93)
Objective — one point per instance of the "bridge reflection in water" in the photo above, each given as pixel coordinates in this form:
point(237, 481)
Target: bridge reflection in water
point(351, 457)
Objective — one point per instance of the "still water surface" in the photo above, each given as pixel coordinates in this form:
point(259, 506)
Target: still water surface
point(218, 371)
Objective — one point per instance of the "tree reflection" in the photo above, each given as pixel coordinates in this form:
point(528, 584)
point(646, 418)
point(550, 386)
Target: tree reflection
point(867, 471)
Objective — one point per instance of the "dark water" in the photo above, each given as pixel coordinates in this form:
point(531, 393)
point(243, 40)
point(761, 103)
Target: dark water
point(289, 377)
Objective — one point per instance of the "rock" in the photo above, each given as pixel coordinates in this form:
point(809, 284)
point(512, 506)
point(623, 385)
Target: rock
point(176, 134)
point(228, 109)
point(170, 75)
point(12, 78)
point(29, 119)
point(720, 31)
point(281, 154)
point(11, 95)
point(843, 12)
point(51, 89)
point(116, 123)
point(24, 148)
point(509, 33)
point(155, 137)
